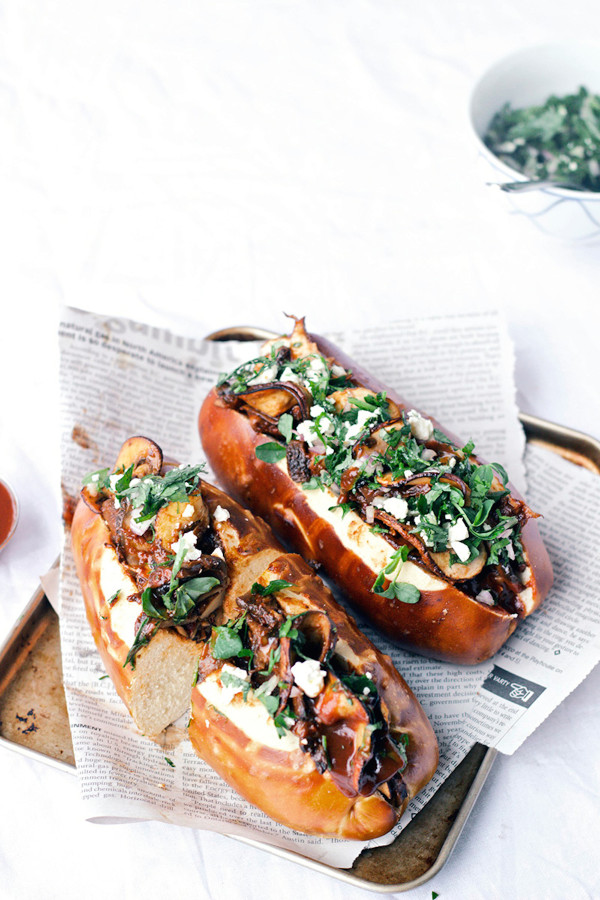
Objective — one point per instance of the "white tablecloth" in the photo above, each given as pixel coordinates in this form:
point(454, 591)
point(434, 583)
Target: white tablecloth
point(196, 165)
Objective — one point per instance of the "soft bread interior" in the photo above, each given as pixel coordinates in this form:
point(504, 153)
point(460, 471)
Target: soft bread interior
point(162, 681)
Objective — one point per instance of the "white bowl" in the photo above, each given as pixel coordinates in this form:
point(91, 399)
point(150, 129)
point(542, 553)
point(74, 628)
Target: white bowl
point(527, 78)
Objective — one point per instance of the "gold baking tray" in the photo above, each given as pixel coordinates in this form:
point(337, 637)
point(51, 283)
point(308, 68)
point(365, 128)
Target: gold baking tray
point(34, 720)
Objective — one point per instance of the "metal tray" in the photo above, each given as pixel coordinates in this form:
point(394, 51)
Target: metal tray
point(34, 720)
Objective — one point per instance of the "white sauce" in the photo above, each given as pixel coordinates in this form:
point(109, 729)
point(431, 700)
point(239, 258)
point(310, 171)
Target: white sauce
point(123, 612)
point(356, 536)
point(249, 715)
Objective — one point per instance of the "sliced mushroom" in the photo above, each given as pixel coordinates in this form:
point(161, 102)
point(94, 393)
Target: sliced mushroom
point(343, 397)
point(460, 571)
point(275, 398)
point(143, 454)
point(319, 634)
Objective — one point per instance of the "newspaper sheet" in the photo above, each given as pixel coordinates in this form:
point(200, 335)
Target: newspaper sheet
point(120, 378)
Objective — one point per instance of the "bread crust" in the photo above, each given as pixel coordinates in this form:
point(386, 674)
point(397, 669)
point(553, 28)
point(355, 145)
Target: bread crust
point(446, 623)
point(287, 786)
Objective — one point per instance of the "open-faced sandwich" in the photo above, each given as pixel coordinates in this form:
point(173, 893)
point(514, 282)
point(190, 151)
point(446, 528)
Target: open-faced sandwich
point(433, 545)
point(192, 600)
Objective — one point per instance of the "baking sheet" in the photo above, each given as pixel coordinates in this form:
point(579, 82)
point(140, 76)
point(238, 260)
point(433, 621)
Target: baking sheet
point(34, 721)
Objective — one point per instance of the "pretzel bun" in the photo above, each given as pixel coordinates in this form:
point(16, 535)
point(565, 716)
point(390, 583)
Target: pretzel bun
point(358, 798)
point(446, 623)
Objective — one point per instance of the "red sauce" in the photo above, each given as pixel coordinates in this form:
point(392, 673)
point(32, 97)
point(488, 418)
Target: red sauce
point(8, 513)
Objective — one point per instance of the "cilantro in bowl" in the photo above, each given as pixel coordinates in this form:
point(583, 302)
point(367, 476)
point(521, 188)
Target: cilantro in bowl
point(559, 140)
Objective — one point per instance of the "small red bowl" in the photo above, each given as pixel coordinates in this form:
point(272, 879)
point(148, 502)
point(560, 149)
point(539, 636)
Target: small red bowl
point(9, 513)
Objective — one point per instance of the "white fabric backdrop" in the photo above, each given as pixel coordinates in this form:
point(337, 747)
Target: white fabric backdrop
point(203, 164)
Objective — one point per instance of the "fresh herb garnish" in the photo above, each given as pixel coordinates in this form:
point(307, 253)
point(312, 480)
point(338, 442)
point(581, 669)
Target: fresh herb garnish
point(285, 424)
point(227, 641)
point(270, 452)
point(169, 762)
point(278, 584)
point(399, 590)
point(142, 637)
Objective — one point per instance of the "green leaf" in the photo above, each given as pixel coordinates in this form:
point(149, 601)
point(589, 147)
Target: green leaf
point(197, 587)
point(286, 629)
point(441, 437)
point(270, 702)
point(270, 452)
point(227, 643)
point(286, 425)
point(139, 641)
point(398, 590)
point(278, 584)
point(148, 607)
point(358, 684)
point(114, 597)
point(501, 472)
point(169, 762)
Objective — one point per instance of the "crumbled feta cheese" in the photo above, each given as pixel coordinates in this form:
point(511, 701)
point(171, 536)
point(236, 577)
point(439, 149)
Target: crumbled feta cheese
point(338, 371)
point(369, 676)
point(96, 476)
point(395, 506)
point(451, 462)
point(428, 454)
point(461, 550)
point(510, 550)
point(316, 410)
point(113, 479)
point(326, 426)
point(485, 597)
point(354, 431)
point(220, 514)
point(268, 373)
point(420, 427)
point(525, 575)
point(309, 676)
point(139, 528)
point(188, 541)
point(188, 511)
point(316, 368)
point(366, 691)
point(458, 531)
point(117, 503)
point(288, 375)
point(306, 431)
point(408, 473)
point(218, 552)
